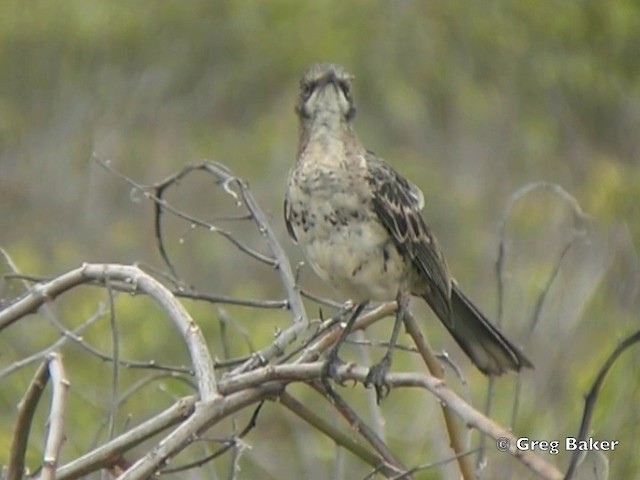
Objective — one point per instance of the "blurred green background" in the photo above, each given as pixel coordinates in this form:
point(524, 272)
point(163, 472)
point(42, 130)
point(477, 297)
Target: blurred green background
point(471, 100)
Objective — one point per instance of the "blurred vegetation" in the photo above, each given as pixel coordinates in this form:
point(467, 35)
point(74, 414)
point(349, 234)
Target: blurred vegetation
point(470, 99)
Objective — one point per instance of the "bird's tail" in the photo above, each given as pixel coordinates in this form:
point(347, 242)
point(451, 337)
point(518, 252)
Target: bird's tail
point(487, 348)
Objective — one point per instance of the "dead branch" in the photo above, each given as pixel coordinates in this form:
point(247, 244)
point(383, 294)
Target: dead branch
point(293, 357)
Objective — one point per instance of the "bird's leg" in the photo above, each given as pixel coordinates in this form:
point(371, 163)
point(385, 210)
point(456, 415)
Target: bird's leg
point(378, 372)
point(333, 361)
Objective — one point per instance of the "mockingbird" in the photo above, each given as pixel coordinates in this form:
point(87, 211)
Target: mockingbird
point(359, 224)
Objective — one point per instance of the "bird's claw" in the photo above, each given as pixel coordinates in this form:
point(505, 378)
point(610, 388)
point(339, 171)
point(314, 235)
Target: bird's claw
point(377, 377)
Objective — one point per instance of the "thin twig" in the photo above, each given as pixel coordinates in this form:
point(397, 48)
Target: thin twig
point(224, 320)
point(580, 219)
point(282, 264)
point(180, 292)
point(18, 364)
point(314, 350)
point(320, 300)
point(229, 444)
point(242, 302)
point(592, 397)
point(378, 421)
point(535, 319)
point(137, 387)
point(280, 261)
point(161, 205)
point(115, 376)
point(428, 466)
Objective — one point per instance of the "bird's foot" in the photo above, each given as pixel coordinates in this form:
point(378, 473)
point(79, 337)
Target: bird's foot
point(330, 369)
point(377, 377)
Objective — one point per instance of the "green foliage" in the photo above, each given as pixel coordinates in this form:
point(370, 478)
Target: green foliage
point(469, 99)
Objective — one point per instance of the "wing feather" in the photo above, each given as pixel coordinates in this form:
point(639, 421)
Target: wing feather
point(397, 203)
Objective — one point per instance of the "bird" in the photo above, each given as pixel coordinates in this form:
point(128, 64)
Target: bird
point(360, 226)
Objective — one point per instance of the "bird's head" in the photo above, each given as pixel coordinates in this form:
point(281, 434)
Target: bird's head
point(325, 94)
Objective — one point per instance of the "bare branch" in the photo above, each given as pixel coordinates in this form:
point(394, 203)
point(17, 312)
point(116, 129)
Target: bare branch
point(454, 403)
point(256, 385)
point(26, 411)
point(283, 265)
point(243, 302)
point(337, 435)
point(257, 378)
point(226, 179)
point(360, 426)
point(103, 456)
point(190, 294)
point(206, 414)
point(244, 389)
point(435, 368)
point(161, 204)
point(55, 438)
point(115, 376)
point(198, 350)
point(196, 344)
point(313, 351)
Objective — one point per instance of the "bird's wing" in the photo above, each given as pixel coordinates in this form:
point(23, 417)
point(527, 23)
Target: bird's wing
point(397, 203)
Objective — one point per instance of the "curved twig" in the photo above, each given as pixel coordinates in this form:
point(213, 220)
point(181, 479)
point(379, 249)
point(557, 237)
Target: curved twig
point(592, 397)
point(225, 178)
point(580, 218)
point(282, 261)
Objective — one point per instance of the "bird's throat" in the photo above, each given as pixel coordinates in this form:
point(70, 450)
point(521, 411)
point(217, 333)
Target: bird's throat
point(327, 136)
